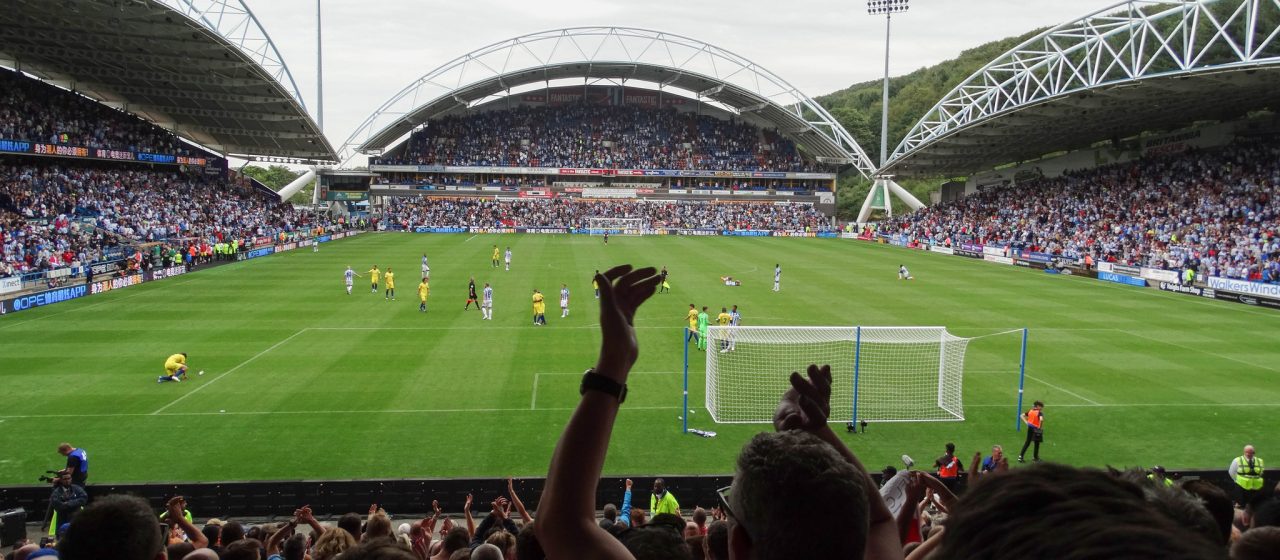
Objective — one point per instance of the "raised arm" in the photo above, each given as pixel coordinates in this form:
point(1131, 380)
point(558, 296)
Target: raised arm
point(466, 512)
point(176, 509)
point(624, 514)
point(305, 515)
point(806, 406)
point(273, 543)
point(511, 492)
point(566, 512)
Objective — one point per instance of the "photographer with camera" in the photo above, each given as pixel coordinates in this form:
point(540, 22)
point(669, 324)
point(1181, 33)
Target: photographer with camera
point(67, 498)
point(77, 463)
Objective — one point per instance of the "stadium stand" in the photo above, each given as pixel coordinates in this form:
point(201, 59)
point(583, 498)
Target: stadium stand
point(34, 111)
point(598, 136)
point(576, 213)
point(1216, 211)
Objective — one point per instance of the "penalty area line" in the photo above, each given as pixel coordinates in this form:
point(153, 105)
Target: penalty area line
point(228, 372)
point(533, 400)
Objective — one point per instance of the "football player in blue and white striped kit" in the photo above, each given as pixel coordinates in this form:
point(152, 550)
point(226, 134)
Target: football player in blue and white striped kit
point(564, 300)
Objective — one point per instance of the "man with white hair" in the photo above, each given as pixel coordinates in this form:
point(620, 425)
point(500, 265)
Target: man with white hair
point(1246, 471)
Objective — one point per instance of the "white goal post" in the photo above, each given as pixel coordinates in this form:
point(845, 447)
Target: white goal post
point(880, 374)
point(617, 226)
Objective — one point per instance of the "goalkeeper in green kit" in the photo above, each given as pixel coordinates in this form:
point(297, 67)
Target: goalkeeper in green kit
point(703, 320)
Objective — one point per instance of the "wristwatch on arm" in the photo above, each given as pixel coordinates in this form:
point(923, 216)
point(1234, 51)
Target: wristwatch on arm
point(592, 381)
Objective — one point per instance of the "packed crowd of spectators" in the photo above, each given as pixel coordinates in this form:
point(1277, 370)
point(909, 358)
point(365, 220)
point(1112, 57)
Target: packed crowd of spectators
point(1215, 211)
point(55, 215)
point(577, 213)
point(798, 491)
point(609, 137)
point(34, 111)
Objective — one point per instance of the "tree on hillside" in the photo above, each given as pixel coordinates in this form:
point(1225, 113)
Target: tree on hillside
point(274, 177)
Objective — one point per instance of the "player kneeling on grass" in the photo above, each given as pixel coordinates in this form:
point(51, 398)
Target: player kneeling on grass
point(176, 367)
point(903, 274)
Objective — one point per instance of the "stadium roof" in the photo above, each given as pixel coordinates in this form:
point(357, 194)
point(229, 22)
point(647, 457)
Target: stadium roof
point(1138, 66)
point(211, 74)
point(609, 53)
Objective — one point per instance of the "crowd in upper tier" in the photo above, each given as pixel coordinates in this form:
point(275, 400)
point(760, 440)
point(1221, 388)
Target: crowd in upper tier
point(34, 111)
point(1217, 211)
point(608, 137)
point(577, 213)
point(57, 214)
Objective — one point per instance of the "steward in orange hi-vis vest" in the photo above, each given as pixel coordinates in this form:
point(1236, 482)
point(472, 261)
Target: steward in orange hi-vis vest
point(1034, 419)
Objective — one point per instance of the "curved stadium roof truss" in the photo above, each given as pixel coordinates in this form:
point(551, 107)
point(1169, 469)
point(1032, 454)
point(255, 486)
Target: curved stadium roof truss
point(711, 74)
point(1219, 44)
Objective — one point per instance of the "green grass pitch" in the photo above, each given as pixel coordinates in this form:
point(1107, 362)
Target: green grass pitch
point(318, 384)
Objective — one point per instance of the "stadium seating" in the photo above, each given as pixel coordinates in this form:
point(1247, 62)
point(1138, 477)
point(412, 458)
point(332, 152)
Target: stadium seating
point(601, 137)
point(34, 111)
point(57, 214)
point(576, 213)
point(1216, 211)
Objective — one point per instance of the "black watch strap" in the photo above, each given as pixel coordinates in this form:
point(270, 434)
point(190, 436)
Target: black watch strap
point(592, 381)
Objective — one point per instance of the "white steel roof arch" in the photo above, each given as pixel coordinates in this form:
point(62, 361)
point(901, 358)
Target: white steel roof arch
point(1103, 54)
point(235, 22)
point(712, 73)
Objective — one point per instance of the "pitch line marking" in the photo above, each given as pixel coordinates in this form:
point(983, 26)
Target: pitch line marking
point(470, 238)
point(317, 412)
point(228, 372)
point(1074, 394)
point(533, 401)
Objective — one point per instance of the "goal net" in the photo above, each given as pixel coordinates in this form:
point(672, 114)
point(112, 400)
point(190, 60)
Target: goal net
point(616, 226)
point(880, 374)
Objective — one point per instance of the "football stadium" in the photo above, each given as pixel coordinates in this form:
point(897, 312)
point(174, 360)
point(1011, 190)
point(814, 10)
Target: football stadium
point(703, 316)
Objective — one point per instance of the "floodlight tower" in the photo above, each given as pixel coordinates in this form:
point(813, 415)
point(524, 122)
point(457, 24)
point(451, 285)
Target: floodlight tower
point(878, 196)
point(888, 8)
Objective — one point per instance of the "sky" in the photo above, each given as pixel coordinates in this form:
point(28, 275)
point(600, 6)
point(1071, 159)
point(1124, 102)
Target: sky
point(374, 48)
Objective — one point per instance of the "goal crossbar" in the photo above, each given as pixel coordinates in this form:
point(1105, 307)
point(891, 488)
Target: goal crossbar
point(880, 374)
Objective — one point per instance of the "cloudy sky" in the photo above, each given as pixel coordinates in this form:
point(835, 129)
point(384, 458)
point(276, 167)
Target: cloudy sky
point(374, 48)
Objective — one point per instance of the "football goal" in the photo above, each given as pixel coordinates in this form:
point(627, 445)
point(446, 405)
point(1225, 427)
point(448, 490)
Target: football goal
point(880, 374)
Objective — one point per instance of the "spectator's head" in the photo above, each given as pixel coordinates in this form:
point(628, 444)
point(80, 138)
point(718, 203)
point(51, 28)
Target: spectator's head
point(700, 518)
point(527, 546)
point(1267, 514)
point(201, 554)
point(243, 549)
point(951, 448)
point(211, 533)
point(997, 452)
point(378, 549)
point(179, 550)
point(697, 547)
point(637, 517)
point(351, 522)
point(456, 539)
point(232, 531)
point(1184, 509)
point(611, 512)
point(1217, 503)
point(296, 547)
point(506, 542)
point(717, 543)
point(486, 552)
point(658, 541)
point(115, 527)
point(1257, 544)
point(378, 526)
point(333, 542)
point(691, 530)
point(781, 478)
point(1044, 510)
